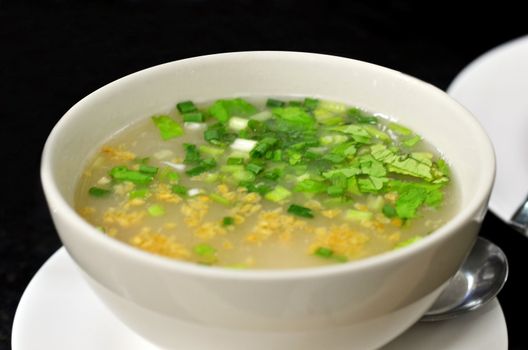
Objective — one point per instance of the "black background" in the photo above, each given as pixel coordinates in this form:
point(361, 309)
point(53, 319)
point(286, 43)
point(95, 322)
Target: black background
point(53, 53)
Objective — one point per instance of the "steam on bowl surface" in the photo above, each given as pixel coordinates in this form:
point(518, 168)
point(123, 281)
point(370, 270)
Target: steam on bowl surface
point(382, 295)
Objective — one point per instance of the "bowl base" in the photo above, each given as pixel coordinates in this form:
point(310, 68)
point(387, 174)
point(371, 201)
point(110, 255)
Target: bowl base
point(170, 333)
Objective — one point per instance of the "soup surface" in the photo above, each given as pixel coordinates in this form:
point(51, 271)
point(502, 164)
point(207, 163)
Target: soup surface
point(266, 184)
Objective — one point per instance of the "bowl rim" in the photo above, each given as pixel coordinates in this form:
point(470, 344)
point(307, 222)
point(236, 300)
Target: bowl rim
point(58, 204)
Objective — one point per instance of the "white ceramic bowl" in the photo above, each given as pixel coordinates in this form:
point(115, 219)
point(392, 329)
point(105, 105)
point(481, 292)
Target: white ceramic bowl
point(358, 305)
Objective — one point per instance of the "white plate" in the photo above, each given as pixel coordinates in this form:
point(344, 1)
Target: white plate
point(494, 88)
point(59, 312)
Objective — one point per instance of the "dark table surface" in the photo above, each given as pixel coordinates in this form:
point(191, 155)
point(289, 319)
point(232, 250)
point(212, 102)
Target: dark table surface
point(52, 53)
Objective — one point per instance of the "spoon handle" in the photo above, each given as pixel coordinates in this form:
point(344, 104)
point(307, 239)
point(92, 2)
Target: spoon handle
point(519, 220)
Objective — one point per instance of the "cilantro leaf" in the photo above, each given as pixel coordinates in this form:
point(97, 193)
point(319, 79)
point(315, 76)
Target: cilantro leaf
point(414, 194)
point(358, 133)
point(371, 184)
point(409, 201)
point(310, 186)
point(224, 109)
point(344, 149)
point(411, 166)
point(219, 111)
point(382, 153)
point(417, 164)
point(348, 172)
point(296, 117)
point(192, 154)
point(371, 166)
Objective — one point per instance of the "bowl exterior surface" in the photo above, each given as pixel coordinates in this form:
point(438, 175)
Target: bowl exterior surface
point(370, 301)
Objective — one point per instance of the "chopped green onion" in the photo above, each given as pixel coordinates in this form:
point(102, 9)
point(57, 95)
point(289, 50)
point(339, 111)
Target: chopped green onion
point(277, 155)
point(332, 106)
point(204, 249)
point(254, 168)
point(358, 215)
point(361, 117)
point(412, 141)
point(324, 252)
point(156, 210)
point(244, 175)
point(179, 189)
point(243, 145)
point(218, 134)
point(274, 174)
point(220, 199)
point(295, 158)
point(211, 177)
point(192, 154)
point(166, 174)
point(375, 132)
point(300, 211)
point(262, 116)
point(260, 188)
point(228, 221)
point(186, 107)
point(147, 169)
point(168, 128)
point(259, 150)
point(310, 103)
point(231, 168)
point(278, 194)
point(272, 103)
point(237, 123)
point(122, 173)
point(389, 211)
point(235, 161)
point(204, 166)
point(244, 133)
point(98, 192)
point(193, 117)
point(210, 150)
point(195, 191)
point(333, 139)
point(400, 129)
point(334, 202)
point(141, 193)
point(310, 186)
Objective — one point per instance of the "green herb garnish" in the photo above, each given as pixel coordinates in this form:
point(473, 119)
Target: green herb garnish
point(122, 173)
point(228, 221)
point(300, 211)
point(98, 192)
point(324, 252)
point(167, 126)
point(186, 107)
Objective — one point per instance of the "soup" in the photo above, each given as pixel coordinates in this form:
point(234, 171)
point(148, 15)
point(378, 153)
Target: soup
point(272, 183)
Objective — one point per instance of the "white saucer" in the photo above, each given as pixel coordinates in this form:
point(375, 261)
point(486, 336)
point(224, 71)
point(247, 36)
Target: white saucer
point(494, 88)
point(59, 312)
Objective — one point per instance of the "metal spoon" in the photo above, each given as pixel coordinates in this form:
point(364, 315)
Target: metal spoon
point(478, 281)
point(519, 220)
